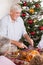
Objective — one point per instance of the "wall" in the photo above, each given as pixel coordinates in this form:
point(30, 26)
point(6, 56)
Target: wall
point(5, 6)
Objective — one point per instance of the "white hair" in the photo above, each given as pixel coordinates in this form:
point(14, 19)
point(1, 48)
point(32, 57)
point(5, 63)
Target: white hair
point(16, 7)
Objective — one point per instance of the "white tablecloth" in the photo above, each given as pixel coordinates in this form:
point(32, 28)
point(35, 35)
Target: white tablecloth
point(5, 61)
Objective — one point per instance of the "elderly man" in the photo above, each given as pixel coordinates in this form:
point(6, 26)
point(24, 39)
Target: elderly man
point(13, 28)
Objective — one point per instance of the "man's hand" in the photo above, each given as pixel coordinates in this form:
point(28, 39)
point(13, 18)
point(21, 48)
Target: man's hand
point(32, 43)
point(29, 40)
point(22, 45)
point(18, 44)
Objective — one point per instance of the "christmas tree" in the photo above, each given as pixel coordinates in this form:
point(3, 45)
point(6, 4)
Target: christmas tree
point(33, 21)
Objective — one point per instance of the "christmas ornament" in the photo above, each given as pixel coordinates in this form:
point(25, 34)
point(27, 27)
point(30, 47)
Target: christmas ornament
point(32, 33)
point(35, 20)
point(31, 11)
point(30, 21)
point(25, 3)
point(37, 5)
point(23, 14)
point(41, 28)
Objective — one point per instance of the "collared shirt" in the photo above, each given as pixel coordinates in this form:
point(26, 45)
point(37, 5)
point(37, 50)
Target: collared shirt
point(12, 29)
point(40, 45)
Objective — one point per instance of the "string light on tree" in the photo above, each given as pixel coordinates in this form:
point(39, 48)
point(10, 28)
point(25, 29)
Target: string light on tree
point(30, 21)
